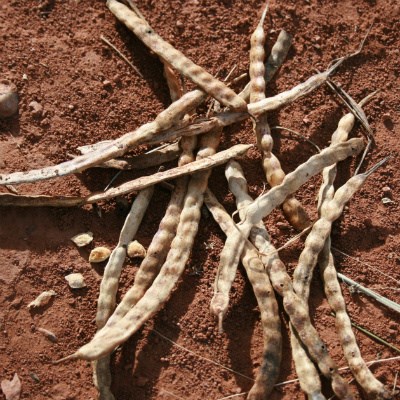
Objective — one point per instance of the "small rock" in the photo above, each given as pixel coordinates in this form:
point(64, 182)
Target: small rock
point(42, 299)
point(282, 226)
point(306, 120)
point(386, 200)
point(106, 84)
point(71, 107)
point(75, 281)
point(317, 39)
point(386, 117)
point(99, 254)
point(135, 249)
point(387, 191)
point(24, 77)
point(36, 108)
point(179, 24)
point(8, 99)
point(82, 239)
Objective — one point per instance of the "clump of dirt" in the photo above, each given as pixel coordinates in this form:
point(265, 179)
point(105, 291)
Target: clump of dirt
point(74, 90)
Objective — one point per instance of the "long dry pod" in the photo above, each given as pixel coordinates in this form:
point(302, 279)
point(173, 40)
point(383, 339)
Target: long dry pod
point(158, 131)
point(263, 205)
point(178, 60)
point(109, 285)
point(292, 208)
point(373, 388)
point(161, 242)
point(278, 55)
point(108, 338)
point(293, 304)
point(269, 370)
point(166, 119)
point(151, 159)
point(211, 161)
point(306, 371)
point(330, 211)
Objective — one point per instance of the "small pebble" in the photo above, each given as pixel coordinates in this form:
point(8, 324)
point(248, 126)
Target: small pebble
point(306, 120)
point(42, 299)
point(82, 239)
point(135, 249)
point(386, 117)
point(36, 108)
point(75, 281)
point(387, 192)
point(179, 24)
point(106, 84)
point(8, 99)
point(386, 200)
point(99, 254)
point(24, 77)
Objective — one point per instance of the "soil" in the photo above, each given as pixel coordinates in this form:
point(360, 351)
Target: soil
point(52, 51)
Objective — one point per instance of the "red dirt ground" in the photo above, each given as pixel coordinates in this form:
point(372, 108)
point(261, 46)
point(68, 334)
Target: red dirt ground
point(57, 45)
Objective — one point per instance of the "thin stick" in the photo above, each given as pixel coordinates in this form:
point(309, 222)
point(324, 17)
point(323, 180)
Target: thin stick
point(376, 296)
point(153, 158)
point(107, 42)
point(7, 199)
point(376, 337)
point(370, 266)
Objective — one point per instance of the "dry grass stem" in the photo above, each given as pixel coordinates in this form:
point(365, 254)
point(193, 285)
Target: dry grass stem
point(178, 60)
point(376, 296)
point(7, 199)
point(108, 43)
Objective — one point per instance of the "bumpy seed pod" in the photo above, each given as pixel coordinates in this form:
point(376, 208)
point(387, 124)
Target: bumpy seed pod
point(261, 207)
point(178, 60)
point(306, 371)
point(292, 208)
point(373, 388)
point(109, 285)
point(109, 337)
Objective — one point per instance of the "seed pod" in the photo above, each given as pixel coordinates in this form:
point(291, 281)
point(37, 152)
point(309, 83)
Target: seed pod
point(99, 254)
point(262, 206)
point(178, 60)
point(269, 370)
point(306, 371)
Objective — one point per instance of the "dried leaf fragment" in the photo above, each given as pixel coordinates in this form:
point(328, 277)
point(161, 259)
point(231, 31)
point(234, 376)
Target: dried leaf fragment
point(42, 299)
point(82, 239)
point(136, 249)
point(11, 389)
point(75, 281)
point(99, 254)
